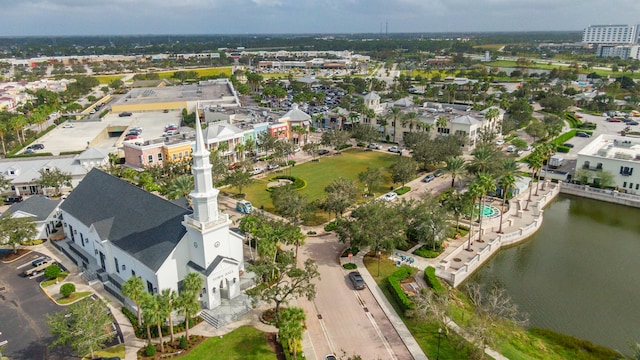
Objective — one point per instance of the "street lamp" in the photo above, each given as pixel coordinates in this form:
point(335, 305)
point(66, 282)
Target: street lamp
point(439, 333)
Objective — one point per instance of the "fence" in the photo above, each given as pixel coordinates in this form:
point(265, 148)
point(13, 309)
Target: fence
point(612, 196)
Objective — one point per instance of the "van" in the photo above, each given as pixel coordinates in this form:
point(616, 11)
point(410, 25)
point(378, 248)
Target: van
point(13, 199)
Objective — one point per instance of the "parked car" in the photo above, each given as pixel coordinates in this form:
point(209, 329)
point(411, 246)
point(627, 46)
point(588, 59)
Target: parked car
point(395, 149)
point(171, 127)
point(428, 178)
point(330, 357)
point(438, 173)
point(272, 166)
point(257, 170)
point(632, 122)
point(357, 280)
point(39, 261)
point(582, 134)
point(170, 133)
point(130, 137)
point(613, 120)
point(579, 116)
point(569, 145)
point(244, 206)
point(511, 148)
point(36, 146)
point(390, 196)
point(297, 149)
point(124, 114)
point(323, 152)
point(134, 132)
point(13, 199)
point(374, 146)
point(29, 151)
point(67, 125)
point(500, 142)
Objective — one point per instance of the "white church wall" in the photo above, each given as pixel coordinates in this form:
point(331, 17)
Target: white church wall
point(174, 267)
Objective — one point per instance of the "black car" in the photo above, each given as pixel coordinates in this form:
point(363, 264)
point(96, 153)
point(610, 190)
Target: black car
point(323, 152)
point(36, 147)
point(582, 134)
point(124, 114)
point(632, 122)
point(357, 280)
point(13, 199)
point(569, 145)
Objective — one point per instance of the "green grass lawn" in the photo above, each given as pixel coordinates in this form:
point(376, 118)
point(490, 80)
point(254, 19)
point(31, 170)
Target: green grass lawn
point(201, 72)
point(242, 343)
point(114, 351)
point(106, 79)
point(320, 174)
point(73, 297)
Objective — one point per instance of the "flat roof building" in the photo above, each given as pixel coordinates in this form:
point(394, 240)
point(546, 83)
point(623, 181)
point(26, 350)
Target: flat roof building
point(610, 34)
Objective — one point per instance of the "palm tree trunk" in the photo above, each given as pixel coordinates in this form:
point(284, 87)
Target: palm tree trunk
point(480, 217)
point(171, 328)
point(139, 314)
point(4, 149)
point(504, 200)
point(186, 325)
point(453, 180)
point(160, 337)
point(538, 183)
point(149, 333)
point(526, 207)
point(473, 204)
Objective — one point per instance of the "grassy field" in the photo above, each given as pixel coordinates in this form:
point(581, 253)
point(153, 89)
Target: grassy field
point(107, 79)
point(201, 72)
point(114, 351)
point(242, 343)
point(320, 174)
point(546, 66)
point(489, 46)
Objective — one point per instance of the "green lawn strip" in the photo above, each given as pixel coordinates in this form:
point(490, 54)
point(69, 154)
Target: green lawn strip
point(243, 343)
point(73, 297)
point(201, 72)
point(320, 174)
point(61, 277)
point(425, 332)
point(114, 351)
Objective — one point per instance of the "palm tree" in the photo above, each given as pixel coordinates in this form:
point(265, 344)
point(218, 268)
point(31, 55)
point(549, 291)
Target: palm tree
point(168, 301)
point(395, 113)
point(442, 122)
point(472, 193)
point(179, 187)
point(506, 182)
point(188, 298)
point(483, 159)
point(291, 326)
point(546, 150)
point(134, 289)
point(3, 129)
point(485, 185)
point(411, 118)
point(491, 115)
point(455, 167)
point(535, 164)
point(154, 314)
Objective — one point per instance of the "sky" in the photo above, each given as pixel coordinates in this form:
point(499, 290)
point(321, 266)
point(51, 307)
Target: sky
point(136, 17)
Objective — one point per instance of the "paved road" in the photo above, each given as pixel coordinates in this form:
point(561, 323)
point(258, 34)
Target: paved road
point(341, 320)
point(23, 307)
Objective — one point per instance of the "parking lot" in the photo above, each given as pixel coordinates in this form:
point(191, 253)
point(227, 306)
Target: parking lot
point(23, 309)
point(92, 132)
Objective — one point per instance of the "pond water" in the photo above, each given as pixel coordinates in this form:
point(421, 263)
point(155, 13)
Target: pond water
point(579, 274)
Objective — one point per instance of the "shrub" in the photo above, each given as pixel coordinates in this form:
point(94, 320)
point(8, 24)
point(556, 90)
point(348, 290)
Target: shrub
point(52, 272)
point(396, 290)
point(298, 183)
point(350, 266)
point(426, 252)
point(67, 289)
point(150, 350)
point(343, 146)
point(361, 144)
point(183, 342)
point(432, 280)
point(330, 226)
point(32, 242)
point(403, 190)
point(351, 250)
point(562, 149)
point(311, 232)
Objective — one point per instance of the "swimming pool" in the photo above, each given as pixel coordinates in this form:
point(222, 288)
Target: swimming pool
point(488, 211)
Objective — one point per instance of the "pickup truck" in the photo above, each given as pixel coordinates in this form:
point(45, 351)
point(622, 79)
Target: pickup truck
point(39, 266)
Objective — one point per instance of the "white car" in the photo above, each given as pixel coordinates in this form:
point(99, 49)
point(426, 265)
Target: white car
point(500, 142)
point(67, 125)
point(257, 170)
point(395, 149)
point(374, 146)
point(390, 196)
point(296, 149)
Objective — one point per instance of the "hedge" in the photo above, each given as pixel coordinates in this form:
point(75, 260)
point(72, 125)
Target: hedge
point(393, 283)
point(30, 140)
point(298, 183)
point(330, 226)
point(343, 146)
point(403, 190)
point(563, 149)
point(565, 137)
point(9, 156)
point(432, 280)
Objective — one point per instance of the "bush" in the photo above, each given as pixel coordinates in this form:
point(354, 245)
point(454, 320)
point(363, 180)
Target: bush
point(297, 183)
point(361, 144)
point(562, 149)
point(350, 266)
point(183, 343)
point(52, 272)
point(432, 280)
point(150, 350)
point(330, 226)
point(393, 283)
point(403, 190)
point(32, 242)
point(426, 252)
point(343, 146)
point(67, 289)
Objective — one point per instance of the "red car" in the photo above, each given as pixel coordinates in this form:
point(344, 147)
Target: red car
point(579, 116)
point(130, 137)
point(613, 120)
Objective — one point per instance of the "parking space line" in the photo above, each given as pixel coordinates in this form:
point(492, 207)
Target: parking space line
point(375, 325)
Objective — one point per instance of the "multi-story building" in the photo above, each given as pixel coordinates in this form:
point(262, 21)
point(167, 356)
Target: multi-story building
point(621, 51)
point(617, 155)
point(158, 151)
point(610, 34)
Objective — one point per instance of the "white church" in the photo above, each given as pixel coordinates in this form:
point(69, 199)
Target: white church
point(116, 230)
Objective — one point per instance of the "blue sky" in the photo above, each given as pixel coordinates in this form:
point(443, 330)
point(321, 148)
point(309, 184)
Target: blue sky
point(117, 17)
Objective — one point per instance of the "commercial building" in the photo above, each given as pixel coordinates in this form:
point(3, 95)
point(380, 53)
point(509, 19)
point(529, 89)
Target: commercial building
point(610, 34)
point(617, 155)
point(621, 51)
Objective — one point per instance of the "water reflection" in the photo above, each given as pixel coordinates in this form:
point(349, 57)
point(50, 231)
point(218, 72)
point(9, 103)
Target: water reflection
point(579, 274)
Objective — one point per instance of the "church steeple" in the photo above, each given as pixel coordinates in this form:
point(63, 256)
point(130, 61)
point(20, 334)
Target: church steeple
point(204, 196)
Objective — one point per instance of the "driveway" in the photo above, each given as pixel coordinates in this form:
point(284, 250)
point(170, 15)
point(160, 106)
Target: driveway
point(343, 321)
point(23, 309)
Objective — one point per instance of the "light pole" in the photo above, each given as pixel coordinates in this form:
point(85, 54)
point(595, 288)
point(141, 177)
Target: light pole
point(439, 334)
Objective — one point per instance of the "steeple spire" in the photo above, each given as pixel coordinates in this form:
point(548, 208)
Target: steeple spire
point(204, 196)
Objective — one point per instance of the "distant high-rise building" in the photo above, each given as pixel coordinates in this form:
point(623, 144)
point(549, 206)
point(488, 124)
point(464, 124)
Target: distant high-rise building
point(611, 34)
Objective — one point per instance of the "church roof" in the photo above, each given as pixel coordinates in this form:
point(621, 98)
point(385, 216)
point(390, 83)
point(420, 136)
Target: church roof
point(221, 131)
point(39, 207)
point(142, 224)
point(372, 96)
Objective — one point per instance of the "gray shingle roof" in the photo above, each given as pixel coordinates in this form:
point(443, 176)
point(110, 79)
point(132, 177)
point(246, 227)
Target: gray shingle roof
point(38, 206)
point(142, 224)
